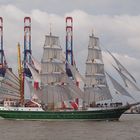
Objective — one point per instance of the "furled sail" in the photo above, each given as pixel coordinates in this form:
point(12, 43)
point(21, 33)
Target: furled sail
point(118, 87)
point(96, 88)
point(122, 68)
point(127, 81)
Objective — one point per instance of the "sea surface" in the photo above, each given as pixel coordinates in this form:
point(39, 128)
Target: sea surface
point(128, 128)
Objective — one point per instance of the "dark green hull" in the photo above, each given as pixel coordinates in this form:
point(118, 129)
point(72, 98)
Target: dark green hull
point(108, 114)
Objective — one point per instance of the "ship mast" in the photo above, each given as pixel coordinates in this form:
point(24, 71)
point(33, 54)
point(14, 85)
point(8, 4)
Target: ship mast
point(20, 73)
point(96, 88)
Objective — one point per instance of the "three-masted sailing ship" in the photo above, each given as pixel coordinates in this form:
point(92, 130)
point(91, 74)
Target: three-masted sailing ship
point(58, 97)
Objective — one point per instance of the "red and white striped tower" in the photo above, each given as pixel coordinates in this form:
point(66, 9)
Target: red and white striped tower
point(69, 44)
point(27, 45)
point(3, 63)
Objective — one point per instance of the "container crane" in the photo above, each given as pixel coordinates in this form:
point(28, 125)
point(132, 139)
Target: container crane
point(69, 47)
point(69, 44)
point(3, 63)
point(27, 45)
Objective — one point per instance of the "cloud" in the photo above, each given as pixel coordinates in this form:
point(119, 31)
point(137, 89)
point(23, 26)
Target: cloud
point(119, 34)
point(96, 7)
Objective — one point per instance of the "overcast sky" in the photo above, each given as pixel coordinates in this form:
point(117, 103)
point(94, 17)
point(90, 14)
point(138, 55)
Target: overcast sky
point(115, 22)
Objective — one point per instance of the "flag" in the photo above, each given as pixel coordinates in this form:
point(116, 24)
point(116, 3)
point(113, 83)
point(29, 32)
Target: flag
point(74, 105)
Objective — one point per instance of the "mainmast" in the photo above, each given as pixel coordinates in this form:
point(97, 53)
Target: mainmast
point(94, 63)
point(50, 70)
point(96, 88)
point(56, 86)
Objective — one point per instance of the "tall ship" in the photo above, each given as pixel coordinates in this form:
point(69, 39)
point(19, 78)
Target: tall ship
point(56, 96)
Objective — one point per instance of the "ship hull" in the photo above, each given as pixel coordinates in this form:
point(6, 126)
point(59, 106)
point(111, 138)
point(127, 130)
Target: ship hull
point(105, 114)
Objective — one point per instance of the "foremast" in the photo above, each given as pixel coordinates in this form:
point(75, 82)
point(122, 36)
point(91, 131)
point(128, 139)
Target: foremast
point(21, 80)
point(50, 69)
point(55, 89)
point(95, 87)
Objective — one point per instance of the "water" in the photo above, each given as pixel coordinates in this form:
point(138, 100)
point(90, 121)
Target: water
point(128, 128)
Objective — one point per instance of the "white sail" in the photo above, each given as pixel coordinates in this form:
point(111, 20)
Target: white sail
point(50, 71)
point(13, 76)
point(78, 92)
point(8, 96)
point(96, 94)
point(8, 90)
point(118, 87)
point(36, 64)
point(77, 76)
point(122, 68)
point(57, 93)
point(56, 86)
point(35, 74)
point(127, 81)
point(66, 79)
point(9, 87)
point(8, 93)
point(10, 82)
point(94, 53)
point(94, 67)
point(30, 84)
point(96, 88)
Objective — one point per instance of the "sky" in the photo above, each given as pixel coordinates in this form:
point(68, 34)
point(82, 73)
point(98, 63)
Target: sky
point(115, 22)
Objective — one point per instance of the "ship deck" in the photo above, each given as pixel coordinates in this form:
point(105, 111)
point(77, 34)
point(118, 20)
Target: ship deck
point(104, 114)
